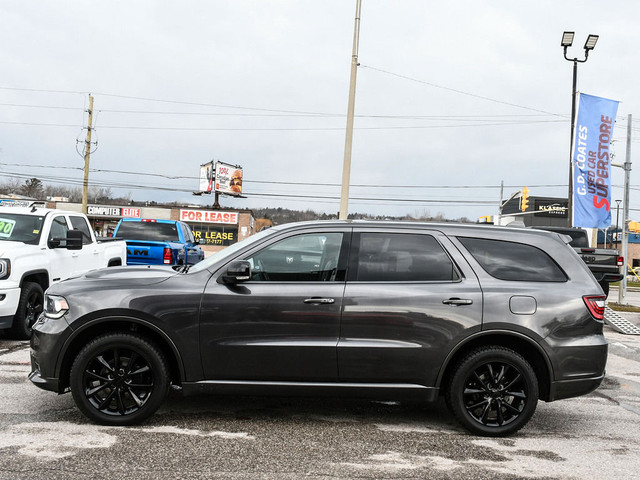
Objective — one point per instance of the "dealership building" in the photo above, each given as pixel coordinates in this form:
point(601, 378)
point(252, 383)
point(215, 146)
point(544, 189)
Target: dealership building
point(217, 228)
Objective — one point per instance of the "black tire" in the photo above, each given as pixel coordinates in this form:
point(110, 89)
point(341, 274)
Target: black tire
point(29, 308)
point(493, 391)
point(119, 379)
point(605, 287)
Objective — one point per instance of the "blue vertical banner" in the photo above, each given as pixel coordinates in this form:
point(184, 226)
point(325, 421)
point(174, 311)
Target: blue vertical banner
point(592, 162)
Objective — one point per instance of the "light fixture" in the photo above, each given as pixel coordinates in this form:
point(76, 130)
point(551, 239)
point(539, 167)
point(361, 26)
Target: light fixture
point(567, 39)
point(591, 42)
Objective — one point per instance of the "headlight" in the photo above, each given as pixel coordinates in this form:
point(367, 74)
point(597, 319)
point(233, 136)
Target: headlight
point(5, 267)
point(55, 306)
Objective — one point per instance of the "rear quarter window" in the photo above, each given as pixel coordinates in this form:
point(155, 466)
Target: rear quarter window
point(152, 231)
point(513, 261)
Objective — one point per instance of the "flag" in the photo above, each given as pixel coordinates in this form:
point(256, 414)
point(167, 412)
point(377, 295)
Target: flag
point(592, 162)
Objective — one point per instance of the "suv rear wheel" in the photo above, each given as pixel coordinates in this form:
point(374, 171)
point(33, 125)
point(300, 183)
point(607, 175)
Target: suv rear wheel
point(493, 391)
point(119, 379)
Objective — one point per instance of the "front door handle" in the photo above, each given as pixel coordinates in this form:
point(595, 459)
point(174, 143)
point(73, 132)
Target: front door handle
point(319, 301)
point(457, 301)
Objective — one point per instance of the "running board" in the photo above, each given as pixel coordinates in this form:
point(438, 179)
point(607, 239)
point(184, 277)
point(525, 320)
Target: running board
point(288, 388)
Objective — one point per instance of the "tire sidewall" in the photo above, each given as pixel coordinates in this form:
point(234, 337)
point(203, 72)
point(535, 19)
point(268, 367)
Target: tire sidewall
point(20, 328)
point(142, 347)
point(473, 361)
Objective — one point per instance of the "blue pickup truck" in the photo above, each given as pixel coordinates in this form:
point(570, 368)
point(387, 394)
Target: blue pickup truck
point(158, 242)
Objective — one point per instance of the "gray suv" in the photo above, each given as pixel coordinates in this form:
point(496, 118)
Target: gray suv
point(491, 318)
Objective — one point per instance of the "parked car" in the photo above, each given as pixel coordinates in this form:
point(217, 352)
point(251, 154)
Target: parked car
point(492, 318)
point(158, 242)
point(39, 247)
point(606, 264)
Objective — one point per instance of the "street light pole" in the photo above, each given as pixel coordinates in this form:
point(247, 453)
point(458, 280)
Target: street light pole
point(567, 41)
point(622, 290)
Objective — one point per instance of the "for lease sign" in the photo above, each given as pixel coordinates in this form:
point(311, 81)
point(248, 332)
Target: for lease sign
point(208, 216)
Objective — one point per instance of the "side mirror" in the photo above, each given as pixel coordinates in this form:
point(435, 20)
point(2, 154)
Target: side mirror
point(238, 271)
point(73, 241)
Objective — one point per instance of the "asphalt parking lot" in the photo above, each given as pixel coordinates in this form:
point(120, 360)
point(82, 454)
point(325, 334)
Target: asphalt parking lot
point(44, 436)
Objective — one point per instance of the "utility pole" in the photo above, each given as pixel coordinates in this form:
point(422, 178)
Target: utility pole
point(346, 165)
point(499, 216)
point(87, 153)
point(622, 290)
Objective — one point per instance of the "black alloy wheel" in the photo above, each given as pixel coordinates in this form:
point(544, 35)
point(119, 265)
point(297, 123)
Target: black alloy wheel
point(29, 309)
point(119, 379)
point(493, 391)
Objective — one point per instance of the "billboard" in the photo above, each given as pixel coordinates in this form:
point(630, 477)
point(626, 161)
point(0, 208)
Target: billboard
point(228, 179)
point(206, 177)
point(591, 161)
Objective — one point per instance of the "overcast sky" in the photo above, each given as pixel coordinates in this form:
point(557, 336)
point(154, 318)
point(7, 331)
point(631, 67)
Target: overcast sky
point(452, 97)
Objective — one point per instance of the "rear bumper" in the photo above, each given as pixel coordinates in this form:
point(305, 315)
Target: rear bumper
point(560, 389)
point(608, 277)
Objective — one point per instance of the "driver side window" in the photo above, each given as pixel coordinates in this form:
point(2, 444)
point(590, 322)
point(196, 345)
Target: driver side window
point(301, 258)
point(59, 228)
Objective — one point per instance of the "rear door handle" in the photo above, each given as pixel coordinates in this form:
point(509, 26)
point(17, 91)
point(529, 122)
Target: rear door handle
point(319, 301)
point(457, 301)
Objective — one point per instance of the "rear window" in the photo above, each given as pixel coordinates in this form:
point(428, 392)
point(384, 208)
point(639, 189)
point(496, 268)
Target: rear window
point(400, 257)
point(513, 261)
point(579, 238)
point(153, 231)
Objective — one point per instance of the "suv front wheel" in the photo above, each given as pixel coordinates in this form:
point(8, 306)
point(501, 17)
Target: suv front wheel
point(493, 391)
point(119, 379)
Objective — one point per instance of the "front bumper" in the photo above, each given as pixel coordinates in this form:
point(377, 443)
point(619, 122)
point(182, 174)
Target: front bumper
point(50, 384)
point(9, 298)
point(47, 344)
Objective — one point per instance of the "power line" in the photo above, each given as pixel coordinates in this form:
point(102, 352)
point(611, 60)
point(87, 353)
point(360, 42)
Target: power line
point(39, 106)
point(275, 129)
point(320, 198)
point(460, 91)
point(279, 182)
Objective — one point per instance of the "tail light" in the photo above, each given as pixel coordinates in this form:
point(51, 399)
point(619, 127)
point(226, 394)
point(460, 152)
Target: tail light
point(167, 258)
point(150, 220)
point(595, 304)
point(620, 261)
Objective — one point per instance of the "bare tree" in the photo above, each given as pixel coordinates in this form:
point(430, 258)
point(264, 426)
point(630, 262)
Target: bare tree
point(32, 188)
point(9, 186)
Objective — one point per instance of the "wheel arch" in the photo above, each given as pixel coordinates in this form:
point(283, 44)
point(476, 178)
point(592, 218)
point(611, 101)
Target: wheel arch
point(111, 324)
point(41, 277)
point(530, 350)
point(114, 262)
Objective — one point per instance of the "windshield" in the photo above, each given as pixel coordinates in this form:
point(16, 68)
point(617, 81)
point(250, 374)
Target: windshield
point(15, 227)
point(151, 231)
point(229, 251)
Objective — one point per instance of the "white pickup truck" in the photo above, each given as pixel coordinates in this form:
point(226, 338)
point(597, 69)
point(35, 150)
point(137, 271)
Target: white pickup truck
point(39, 247)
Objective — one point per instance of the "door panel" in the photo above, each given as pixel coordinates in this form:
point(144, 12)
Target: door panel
point(401, 331)
point(284, 323)
point(266, 331)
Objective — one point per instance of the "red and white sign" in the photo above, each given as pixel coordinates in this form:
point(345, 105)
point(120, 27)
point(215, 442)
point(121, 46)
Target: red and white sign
point(208, 216)
point(129, 212)
point(228, 179)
